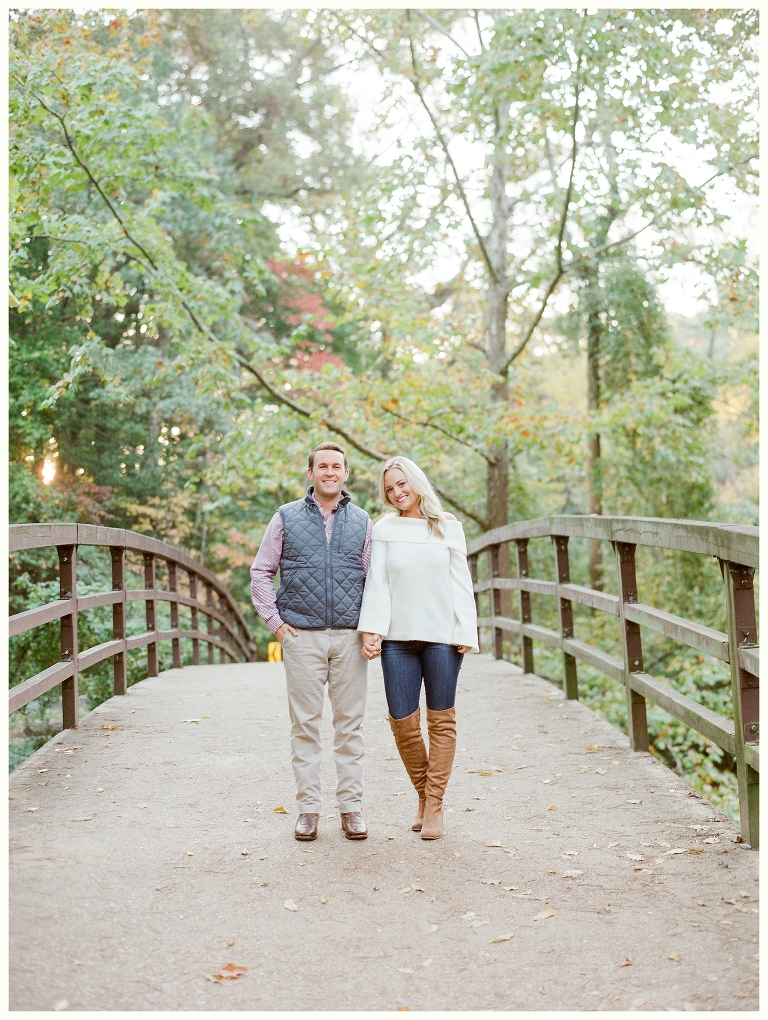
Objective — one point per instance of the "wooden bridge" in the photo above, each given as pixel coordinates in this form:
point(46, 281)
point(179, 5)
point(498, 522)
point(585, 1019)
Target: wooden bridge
point(151, 841)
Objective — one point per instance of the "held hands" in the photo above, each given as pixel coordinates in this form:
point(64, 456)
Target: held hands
point(464, 648)
point(371, 645)
point(283, 629)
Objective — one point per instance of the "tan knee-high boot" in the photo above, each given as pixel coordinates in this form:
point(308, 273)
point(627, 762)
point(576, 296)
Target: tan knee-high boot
point(441, 727)
point(410, 744)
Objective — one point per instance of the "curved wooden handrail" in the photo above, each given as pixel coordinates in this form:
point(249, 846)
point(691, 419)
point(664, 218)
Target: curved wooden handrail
point(736, 547)
point(233, 638)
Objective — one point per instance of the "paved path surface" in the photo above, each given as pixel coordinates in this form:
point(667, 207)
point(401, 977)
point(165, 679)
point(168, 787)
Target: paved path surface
point(146, 854)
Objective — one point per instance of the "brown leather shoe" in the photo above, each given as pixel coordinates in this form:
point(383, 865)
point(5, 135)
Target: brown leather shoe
point(353, 825)
point(306, 827)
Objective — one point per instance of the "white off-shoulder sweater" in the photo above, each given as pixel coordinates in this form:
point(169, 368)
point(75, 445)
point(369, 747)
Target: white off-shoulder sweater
point(418, 587)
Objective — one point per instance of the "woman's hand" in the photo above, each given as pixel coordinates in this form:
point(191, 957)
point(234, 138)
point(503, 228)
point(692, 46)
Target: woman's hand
point(464, 648)
point(371, 645)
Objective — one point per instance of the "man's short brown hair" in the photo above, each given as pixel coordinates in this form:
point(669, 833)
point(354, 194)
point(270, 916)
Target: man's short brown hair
point(328, 446)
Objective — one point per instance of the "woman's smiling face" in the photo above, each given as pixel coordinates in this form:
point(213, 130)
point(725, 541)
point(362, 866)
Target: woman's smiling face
point(400, 494)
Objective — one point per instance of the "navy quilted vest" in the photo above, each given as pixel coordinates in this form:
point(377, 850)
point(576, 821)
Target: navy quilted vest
point(321, 582)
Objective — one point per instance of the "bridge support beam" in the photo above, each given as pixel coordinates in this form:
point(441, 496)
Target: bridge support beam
point(637, 719)
point(150, 583)
point(565, 617)
point(524, 605)
point(119, 665)
point(745, 690)
point(68, 590)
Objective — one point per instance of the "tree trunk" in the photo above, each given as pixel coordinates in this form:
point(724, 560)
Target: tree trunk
point(594, 462)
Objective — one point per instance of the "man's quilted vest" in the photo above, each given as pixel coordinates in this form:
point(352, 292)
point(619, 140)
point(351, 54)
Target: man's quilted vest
point(321, 582)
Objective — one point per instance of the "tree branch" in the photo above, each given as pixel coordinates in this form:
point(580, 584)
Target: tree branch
point(560, 269)
point(446, 150)
point(439, 428)
point(444, 31)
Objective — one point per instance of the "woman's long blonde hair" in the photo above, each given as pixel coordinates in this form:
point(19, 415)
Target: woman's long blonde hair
point(429, 504)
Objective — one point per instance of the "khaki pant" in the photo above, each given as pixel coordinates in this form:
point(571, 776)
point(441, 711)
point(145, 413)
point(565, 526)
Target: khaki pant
point(313, 659)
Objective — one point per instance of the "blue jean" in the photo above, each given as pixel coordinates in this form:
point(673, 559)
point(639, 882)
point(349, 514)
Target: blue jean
point(406, 663)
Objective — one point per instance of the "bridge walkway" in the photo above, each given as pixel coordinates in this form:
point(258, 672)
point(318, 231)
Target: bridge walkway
point(146, 854)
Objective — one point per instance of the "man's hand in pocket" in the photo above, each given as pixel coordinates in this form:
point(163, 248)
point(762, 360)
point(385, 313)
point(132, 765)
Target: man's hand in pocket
point(283, 629)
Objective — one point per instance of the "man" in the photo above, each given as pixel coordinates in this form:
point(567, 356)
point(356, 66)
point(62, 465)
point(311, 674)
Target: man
point(322, 546)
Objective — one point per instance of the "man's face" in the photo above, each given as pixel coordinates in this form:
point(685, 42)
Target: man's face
point(328, 473)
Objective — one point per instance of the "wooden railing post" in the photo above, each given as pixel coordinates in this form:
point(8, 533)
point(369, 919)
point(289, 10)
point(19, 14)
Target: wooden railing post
point(745, 689)
point(173, 585)
point(151, 613)
point(565, 617)
point(68, 590)
point(194, 622)
point(209, 619)
point(119, 664)
point(473, 575)
point(524, 604)
point(496, 602)
point(637, 721)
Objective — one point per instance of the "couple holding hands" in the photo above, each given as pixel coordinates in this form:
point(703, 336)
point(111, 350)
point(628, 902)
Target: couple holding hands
point(350, 591)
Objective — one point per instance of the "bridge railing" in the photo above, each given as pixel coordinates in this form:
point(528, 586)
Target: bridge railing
point(225, 625)
point(737, 550)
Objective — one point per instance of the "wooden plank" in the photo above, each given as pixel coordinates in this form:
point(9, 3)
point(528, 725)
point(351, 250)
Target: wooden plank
point(99, 652)
point(752, 756)
point(608, 664)
point(38, 684)
point(94, 534)
point(537, 587)
point(688, 711)
point(38, 536)
point(139, 640)
point(696, 635)
point(107, 598)
point(20, 623)
point(601, 600)
point(735, 542)
point(749, 659)
point(502, 622)
point(542, 634)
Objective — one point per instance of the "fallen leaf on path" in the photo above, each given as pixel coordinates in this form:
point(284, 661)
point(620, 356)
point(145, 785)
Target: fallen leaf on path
point(431, 929)
point(105, 726)
point(542, 990)
point(711, 839)
point(634, 802)
point(572, 874)
point(674, 956)
point(642, 871)
point(231, 971)
point(545, 913)
point(613, 844)
point(87, 818)
point(391, 757)
point(190, 720)
point(676, 850)
point(637, 1003)
point(290, 905)
point(403, 1009)
point(263, 858)
point(32, 809)
point(636, 857)
point(546, 781)
point(662, 843)
point(426, 963)
point(41, 771)
point(570, 853)
point(404, 891)
point(404, 970)
point(627, 963)
point(417, 888)
point(601, 772)
point(280, 810)
point(323, 898)
point(230, 942)
point(490, 881)
point(673, 825)
point(511, 888)
point(501, 938)
point(745, 894)
point(263, 884)
point(592, 750)
point(552, 807)
point(478, 924)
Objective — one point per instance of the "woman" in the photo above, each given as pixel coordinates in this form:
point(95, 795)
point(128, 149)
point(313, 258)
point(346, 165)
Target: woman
point(418, 612)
